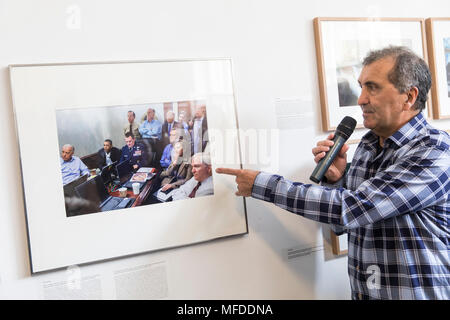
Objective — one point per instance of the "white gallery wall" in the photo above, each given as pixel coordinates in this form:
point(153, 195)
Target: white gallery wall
point(271, 44)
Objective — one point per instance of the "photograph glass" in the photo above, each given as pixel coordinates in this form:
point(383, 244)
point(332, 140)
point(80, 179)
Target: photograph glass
point(438, 31)
point(105, 168)
point(341, 45)
point(447, 62)
point(349, 57)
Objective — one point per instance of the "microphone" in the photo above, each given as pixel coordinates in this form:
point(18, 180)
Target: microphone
point(343, 132)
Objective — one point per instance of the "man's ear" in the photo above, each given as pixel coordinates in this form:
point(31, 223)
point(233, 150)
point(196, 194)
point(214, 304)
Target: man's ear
point(411, 95)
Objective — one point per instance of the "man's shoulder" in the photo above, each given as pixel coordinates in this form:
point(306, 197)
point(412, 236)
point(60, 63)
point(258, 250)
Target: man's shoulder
point(432, 138)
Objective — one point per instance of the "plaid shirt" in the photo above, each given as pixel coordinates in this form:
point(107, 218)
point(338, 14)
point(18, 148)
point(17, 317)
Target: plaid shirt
point(394, 204)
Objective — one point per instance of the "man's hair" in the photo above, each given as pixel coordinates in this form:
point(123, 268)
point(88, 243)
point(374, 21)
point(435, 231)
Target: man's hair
point(69, 146)
point(129, 134)
point(409, 71)
point(134, 115)
point(204, 157)
point(109, 141)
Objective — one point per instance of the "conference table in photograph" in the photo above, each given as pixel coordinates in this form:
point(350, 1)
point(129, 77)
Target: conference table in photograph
point(142, 196)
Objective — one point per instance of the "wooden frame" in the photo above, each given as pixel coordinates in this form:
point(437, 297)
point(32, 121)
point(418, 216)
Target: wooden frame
point(336, 244)
point(373, 33)
point(441, 100)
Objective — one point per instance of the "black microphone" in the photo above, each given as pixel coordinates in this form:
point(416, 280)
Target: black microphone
point(343, 132)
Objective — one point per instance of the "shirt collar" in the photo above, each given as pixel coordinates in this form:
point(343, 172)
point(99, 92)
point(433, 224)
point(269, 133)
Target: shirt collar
point(405, 134)
point(71, 160)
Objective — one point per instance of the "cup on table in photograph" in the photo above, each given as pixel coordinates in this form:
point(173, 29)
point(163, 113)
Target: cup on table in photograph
point(136, 188)
point(123, 192)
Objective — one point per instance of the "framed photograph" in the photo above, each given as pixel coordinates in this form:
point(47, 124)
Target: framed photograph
point(438, 32)
point(101, 142)
point(339, 244)
point(341, 45)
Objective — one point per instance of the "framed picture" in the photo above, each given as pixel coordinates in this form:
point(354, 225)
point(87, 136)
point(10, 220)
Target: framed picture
point(339, 244)
point(438, 32)
point(341, 45)
point(101, 142)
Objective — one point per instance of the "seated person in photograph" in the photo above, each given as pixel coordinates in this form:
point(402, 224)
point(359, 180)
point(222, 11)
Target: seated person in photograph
point(71, 166)
point(132, 126)
point(167, 126)
point(178, 172)
point(166, 157)
point(108, 154)
point(133, 152)
point(201, 183)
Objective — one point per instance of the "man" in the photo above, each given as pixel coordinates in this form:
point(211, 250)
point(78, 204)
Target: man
point(150, 131)
point(108, 154)
point(133, 152)
point(199, 129)
point(201, 183)
point(132, 126)
point(71, 166)
point(167, 127)
point(166, 157)
point(150, 128)
point(182, 122)
point(394, 199)
point(185, 135)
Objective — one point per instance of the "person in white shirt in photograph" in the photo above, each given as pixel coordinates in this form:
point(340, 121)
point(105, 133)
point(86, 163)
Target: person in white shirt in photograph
point(201, 183)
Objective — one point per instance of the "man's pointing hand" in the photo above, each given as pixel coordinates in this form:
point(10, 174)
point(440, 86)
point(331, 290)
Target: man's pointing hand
point(244, 179)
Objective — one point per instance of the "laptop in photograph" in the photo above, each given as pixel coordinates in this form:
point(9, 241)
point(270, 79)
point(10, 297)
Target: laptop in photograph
point(125, 172)
point(108, 173)
point(95, 191)
point(69, 189)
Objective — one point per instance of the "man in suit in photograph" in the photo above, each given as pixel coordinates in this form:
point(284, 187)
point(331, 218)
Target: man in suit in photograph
point(201, 184)
point(167, 127)
point(199, 126)
point(108, 154)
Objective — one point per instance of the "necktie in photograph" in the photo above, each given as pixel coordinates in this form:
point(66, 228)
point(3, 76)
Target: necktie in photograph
point(192, 194)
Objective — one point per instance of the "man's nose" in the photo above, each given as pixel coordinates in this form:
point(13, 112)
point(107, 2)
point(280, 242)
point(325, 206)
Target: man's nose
point(363, 98)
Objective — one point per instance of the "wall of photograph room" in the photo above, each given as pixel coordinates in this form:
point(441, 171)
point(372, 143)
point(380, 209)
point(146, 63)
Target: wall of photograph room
point(276, 88)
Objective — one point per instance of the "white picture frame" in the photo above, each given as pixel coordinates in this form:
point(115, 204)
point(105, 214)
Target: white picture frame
point(57, 241)
point(341, 44)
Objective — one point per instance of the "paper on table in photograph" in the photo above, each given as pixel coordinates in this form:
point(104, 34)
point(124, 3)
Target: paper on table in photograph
point(56, 241)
